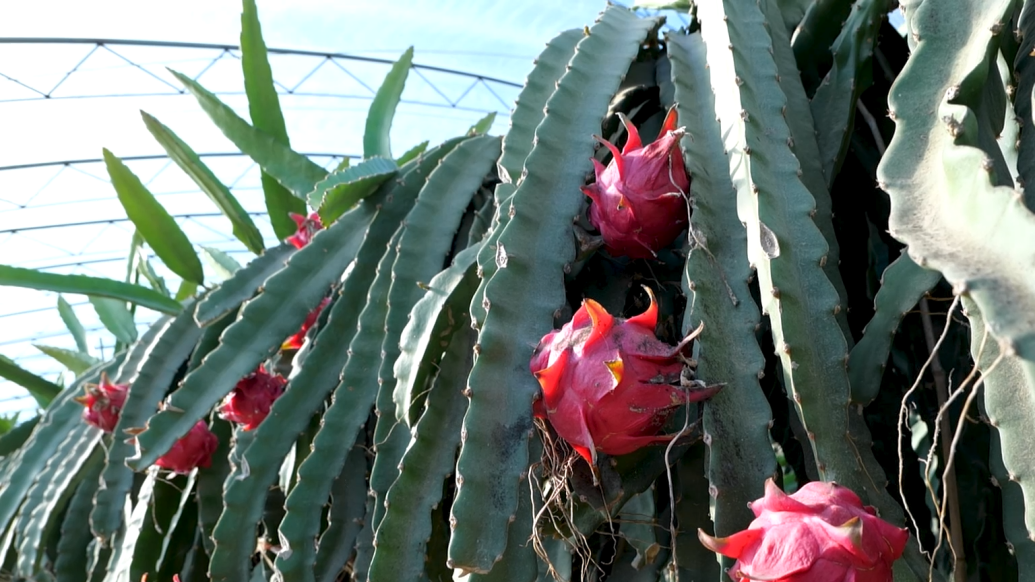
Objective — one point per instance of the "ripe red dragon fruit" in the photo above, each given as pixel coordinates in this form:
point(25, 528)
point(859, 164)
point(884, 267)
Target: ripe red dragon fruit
point(821, 533)
point(103, 403)
point(307, 227)
point(193, 450)
point(295, 342)
point(639, 199)
point(609, 384)
point(251, 399)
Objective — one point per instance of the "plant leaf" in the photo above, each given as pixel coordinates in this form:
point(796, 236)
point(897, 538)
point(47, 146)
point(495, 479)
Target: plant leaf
point(186, 290)
point(411, 153)
point(224, 265)
point(293, 170)
point(144, 267)
point(153, 223)
point(483, 125)
point(181, 153)
point(377, 139)
point(43, 391)
point(264, 109)
point(93, 286)
point(116, 318)
point(76, 362)
point(72, 323)
point(342, 190)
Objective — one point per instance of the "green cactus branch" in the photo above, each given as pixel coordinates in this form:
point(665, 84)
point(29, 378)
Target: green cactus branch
point(527, 290)
point(717, 279)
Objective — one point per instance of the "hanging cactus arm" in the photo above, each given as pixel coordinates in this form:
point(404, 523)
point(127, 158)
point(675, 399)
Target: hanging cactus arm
point(244, 498)
point(261, 327)
point(716, 281)
point(242, 285)
point(945, 203)
point(349, 409)
point(345, 519)
point(902, 285)
point(833, 105)
point(435, 318)
point(528, 109)
point(528, 289)
point(402, 536)
point(1009, 400)
point(173, 343)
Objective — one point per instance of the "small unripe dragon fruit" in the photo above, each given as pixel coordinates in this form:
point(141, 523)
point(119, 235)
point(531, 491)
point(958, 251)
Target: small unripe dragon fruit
point(295, 342)
point(103, 403)
point(307, 227)
point(609, 384)
point(250, 401)
point(639, 199)
point(193, 450)
point(821, 533)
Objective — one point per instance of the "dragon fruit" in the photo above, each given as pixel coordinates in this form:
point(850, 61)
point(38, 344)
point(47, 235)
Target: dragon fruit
point(295, 342)
point(251, 399)
point(103, 403)
point(307, 227)
point(821, 533)
point(639, 199)
point(193, 450)
point(609, 384)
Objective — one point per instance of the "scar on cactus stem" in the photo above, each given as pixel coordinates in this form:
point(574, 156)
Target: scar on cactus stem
point(295, 342)
point(822, 532)
point(609, 384)
point(307, 227)
point(639, 199)
point(193, 450)
point(249, 402)
point(103, 403)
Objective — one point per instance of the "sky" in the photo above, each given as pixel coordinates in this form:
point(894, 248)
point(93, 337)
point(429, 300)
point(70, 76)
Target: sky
point(66, 218)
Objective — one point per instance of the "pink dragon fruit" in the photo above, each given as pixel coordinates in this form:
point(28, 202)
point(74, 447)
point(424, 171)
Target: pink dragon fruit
point(250, 401)
point(103, 403)
point(193, 450)
point(307, 227)
point(639, 199)
point(822, 533)
point(295, 342)
point(609, 384)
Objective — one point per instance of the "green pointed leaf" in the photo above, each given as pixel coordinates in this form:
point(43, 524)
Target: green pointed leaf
point(294, 171)
point(264, 109)
point(181, 153)
point(342, 190)
point(224, 265)
point(135, 244)
point(377, 138)
point(93, 286)
point(157, 227)
point(72, 323)
point(116, 318)
point(43, 391)
point(411, 153)
point(483, 125)
point(157, 283)
point(186, 290)
point(76, 362)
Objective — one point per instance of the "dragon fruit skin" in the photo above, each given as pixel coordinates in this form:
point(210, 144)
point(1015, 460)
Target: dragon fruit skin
point(307, 227)
point(821, 533)
point(103, 403)
point(639, 199)
point(295, 342)
point(249, 402)
point(193, 450)
point(609, 384)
